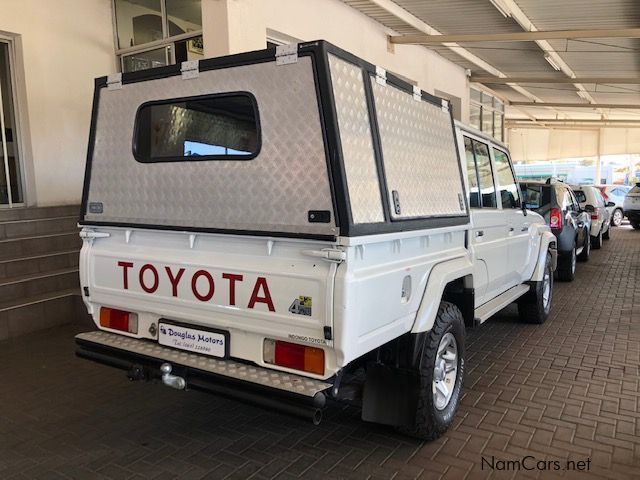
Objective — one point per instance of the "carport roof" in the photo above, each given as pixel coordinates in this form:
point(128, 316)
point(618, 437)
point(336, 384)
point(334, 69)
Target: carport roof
point(494, 63)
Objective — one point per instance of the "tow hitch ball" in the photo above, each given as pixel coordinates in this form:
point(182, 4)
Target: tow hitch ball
point(169, 380)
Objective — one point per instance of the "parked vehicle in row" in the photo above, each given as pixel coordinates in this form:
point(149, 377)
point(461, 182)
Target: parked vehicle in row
point(570, 223)
point(592, 201)
point(271, 247)
point(615, 194)
point(632, 206)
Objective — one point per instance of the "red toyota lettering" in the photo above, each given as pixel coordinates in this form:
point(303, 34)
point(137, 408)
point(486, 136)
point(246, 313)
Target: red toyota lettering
point(156, 280)
point(233, 278)
point(174, 280)
point(261, 283)
point(125, 273)
point(194, 288)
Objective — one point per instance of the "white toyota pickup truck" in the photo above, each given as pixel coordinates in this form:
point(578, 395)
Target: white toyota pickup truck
point(294, 226)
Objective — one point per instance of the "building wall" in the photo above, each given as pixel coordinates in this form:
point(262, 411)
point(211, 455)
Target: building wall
point(247, 23)
point(527, 144)
point(65, 45)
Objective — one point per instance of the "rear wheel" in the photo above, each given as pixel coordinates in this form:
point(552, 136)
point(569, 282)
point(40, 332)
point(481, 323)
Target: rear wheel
point(534, 307)
point(596, 242)
point(441, 375)
point(567, 266)
point(616, 219)
point(607, 235)
point(586, 251)
point(636, 225)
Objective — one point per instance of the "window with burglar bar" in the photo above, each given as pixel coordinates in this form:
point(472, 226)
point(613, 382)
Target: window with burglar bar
point(155, 33)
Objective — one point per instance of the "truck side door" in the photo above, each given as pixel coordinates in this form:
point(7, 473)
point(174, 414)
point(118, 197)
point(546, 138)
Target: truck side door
point(520, 247)
point(488, 224)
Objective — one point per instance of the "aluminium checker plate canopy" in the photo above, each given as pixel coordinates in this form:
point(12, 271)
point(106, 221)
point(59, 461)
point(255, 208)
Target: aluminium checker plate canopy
point(338, 135)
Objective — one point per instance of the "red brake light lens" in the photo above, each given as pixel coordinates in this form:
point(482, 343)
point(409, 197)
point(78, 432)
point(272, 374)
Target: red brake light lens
point(555, 220)
point(294, 356)
point(595, 216)
point(118, 320)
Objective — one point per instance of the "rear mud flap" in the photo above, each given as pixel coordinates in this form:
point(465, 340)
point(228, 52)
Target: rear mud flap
point(390, 396)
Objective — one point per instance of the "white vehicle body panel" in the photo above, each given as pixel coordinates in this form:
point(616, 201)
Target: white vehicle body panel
point(358, 292)
point(632, 200)
point(593, 198)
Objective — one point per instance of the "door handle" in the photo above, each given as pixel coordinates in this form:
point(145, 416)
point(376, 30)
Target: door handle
point(525, 227)
point(480, 233)
point(511, 229)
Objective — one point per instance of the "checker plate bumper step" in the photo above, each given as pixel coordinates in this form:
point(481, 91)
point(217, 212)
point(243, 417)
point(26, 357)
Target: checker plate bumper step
point(282, 391)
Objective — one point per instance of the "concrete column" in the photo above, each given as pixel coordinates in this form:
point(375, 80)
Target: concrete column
point(233, 26)
point(215, 28)
point(598, 175)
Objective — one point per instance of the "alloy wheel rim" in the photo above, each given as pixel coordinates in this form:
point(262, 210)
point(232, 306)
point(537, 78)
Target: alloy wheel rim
point(445, 371)
point(617, 217)
point(546, 291)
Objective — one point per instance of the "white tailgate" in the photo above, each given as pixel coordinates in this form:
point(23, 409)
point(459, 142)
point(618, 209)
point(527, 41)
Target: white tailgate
point(251, 287)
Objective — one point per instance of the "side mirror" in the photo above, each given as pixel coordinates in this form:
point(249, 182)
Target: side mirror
point(589, 208)
point(611, 204)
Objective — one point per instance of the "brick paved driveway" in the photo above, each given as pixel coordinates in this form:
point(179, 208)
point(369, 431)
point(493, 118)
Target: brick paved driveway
point(568, 389)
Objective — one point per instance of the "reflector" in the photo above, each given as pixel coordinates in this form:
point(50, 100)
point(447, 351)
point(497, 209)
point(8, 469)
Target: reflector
point(294, 356)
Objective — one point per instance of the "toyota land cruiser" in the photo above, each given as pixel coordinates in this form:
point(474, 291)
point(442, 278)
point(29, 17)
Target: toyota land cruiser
point(294, 225)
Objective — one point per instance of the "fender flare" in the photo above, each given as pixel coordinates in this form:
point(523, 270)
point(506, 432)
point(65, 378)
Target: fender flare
point(441, 274)
point(547, 244)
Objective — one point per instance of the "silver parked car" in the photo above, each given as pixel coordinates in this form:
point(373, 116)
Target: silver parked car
point(615, 194)
point(592, 201)
point(632, 206)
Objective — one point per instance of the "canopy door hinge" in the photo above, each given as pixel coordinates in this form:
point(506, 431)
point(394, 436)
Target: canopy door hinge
point(381, 75)
point(190, 69)
point(286, 54)
point(114, 82)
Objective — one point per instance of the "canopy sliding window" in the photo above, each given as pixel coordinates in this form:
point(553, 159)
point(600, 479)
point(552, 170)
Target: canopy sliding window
point(155, 33)
point(487, 114)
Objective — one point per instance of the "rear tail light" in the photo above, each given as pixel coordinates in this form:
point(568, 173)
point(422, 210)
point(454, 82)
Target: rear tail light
point(555, 220)
point(118, 320)
point(294, 356)
point(595, 215)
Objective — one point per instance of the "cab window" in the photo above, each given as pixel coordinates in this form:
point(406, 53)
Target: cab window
point(506, 181)
point(472, 174)
point(479, 152)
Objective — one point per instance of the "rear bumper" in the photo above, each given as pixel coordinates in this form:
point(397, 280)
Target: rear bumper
point(142, 359)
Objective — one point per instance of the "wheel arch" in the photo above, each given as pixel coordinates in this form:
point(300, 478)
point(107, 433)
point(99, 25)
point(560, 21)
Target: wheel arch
point(548, 244)
point(451, 281)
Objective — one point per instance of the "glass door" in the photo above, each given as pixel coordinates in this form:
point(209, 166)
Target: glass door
point(11, 191)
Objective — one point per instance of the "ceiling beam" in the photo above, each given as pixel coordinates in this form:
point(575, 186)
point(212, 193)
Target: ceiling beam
point(566, 122)
point(400, 13)
point(600, 80)
point(576, 105)
point(532, 36)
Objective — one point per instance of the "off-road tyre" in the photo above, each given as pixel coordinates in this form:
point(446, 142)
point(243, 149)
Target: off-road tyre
point(430, 423)
point(566, 270)
point(607, 235)
point(586, 251)
point(596, 242)
point(534, 307)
